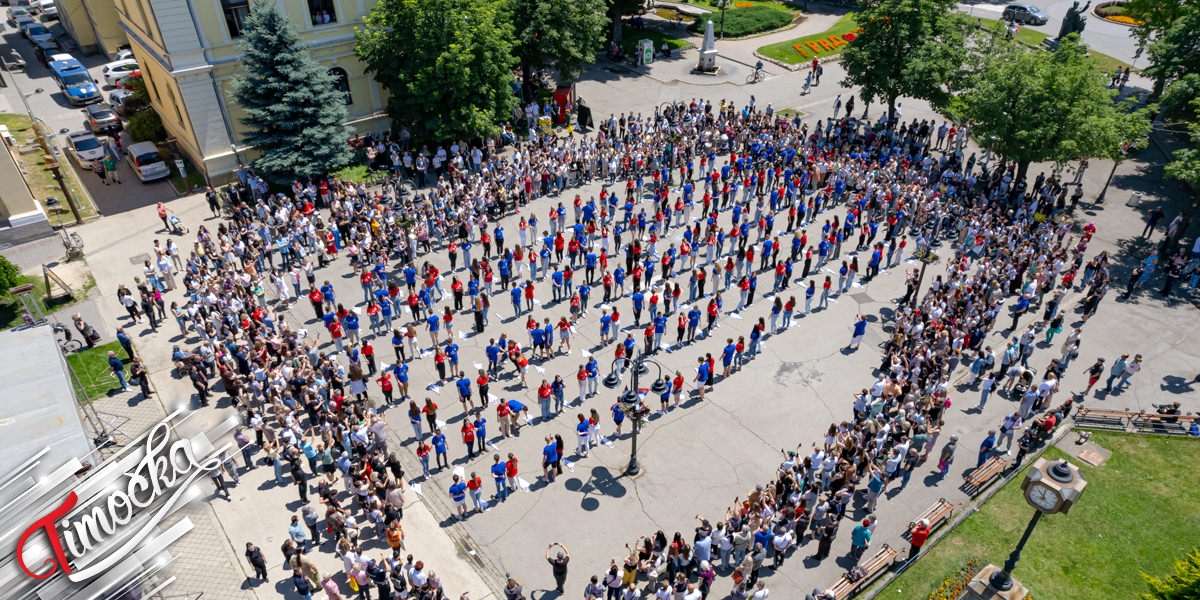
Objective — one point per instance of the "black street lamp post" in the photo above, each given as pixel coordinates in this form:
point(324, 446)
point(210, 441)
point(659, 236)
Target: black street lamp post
point(631, 405)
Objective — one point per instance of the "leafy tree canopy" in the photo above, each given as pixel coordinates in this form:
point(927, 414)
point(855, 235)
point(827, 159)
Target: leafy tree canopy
point(565, 33)
point(446, 63)
point(1033, 106)
point(911, 48)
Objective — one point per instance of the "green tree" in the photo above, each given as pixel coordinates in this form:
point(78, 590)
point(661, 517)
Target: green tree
point(1186, 166)
point(295, 115)
point(1175, 52)
point(563, 33)
point(1178, 100)
point(1033, 106)
point(618, 9)
point(1184, 584)
point(446, 63)
point(10, 275)
point(911, 48)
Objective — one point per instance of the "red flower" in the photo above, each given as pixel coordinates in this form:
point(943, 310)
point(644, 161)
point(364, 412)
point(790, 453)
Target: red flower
point(849, 37)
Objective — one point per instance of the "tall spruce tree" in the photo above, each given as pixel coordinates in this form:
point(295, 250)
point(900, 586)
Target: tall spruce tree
point(295, 115)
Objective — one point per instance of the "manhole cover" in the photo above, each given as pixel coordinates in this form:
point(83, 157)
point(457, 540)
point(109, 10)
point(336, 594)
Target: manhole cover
point(862, 298)
point(139, 259)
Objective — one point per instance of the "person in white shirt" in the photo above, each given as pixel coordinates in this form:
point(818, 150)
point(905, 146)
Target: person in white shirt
point(760, 592)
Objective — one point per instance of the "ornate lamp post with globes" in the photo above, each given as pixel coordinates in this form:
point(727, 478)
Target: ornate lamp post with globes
point(1050, 487)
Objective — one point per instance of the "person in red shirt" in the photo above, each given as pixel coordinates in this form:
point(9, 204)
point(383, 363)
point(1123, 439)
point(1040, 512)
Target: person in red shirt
point(474, 487)
point(385, 385)
point(318, 302)
point(918, 535)
point(510, 471)
point(468, 438)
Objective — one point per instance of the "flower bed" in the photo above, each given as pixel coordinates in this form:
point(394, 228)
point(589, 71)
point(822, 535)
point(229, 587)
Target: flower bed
point(821, 45)
point(1115, 12)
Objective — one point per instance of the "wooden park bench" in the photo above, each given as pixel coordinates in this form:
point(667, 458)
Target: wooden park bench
point(1150, 422)
point(875, 566)
point(979, 477)
point(936, 514)
point(1113, 420)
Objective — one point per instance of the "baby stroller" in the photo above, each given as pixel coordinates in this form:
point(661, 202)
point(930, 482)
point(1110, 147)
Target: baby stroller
point(1024, 382)
point(177, 224)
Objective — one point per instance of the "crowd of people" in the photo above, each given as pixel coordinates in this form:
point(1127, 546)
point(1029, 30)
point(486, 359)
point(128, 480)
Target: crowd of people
point(701, 201)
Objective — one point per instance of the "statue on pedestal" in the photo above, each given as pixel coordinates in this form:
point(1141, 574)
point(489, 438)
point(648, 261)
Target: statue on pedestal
point(1074, 20)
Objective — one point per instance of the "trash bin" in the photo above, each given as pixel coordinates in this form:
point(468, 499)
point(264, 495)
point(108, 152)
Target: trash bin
point(1134, 199)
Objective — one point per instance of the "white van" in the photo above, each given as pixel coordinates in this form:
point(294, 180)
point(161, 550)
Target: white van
point(145, 160)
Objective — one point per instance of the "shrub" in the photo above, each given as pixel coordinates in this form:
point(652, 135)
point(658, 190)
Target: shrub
point(10, 276)
point(740, 22)
point(145, 125)
point(1183, 584)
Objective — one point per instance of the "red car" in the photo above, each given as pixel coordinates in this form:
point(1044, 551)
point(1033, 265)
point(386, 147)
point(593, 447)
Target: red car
point(126, 82)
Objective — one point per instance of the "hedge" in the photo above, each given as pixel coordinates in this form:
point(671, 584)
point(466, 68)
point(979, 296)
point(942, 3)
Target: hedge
point(741, 22)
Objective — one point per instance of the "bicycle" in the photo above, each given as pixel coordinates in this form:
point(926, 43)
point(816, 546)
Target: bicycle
point(62, 336)
point(756, 76)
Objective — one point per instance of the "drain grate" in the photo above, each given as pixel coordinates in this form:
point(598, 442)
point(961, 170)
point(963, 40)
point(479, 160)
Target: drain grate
point(139, 259)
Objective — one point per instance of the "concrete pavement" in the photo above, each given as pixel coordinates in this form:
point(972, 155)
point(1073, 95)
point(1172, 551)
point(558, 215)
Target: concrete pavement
point(698, 459)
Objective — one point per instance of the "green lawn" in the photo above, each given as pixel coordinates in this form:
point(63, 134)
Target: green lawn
point(789, 53)
point(630, 39)
point(1034, 37)
point(194, 178)
point(10, 306)
point(91, 368)
point(1140, 513)
point(40, 179)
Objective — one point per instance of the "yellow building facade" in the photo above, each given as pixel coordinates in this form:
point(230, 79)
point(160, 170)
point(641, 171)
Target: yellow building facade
point(93, 24)
point(188, 53)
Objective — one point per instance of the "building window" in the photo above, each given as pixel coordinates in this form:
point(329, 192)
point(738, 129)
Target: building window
point(341, 82)
point(236, 13)
point(322, 11)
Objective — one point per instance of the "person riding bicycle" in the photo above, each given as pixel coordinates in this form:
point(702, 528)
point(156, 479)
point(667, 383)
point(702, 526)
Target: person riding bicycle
point(758, 66)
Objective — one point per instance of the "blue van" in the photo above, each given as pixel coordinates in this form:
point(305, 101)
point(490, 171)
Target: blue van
point(75, 81)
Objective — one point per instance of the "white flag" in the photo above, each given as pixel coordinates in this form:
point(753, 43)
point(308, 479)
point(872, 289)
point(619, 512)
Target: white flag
point(461, 472)
point(573, 329)
point(440, 423)
point(494, 447)
point(570, 466)
point(477, 365)
point(585, 353)
point(462, 335)
point(539, 369)
point(303, 332)
point(606, 442)
point(536, 301)
point(735, 316)
point(492, 397)
point(524, 485)
point(527, 420)
point(434, 388)
point(357, 310)
point(416, 487)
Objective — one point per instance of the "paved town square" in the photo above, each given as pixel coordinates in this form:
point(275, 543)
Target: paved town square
point(839, 317)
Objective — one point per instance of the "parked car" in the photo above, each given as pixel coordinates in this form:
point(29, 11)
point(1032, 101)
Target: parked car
point(120, 100)
point(36, 32)
point(46, 50)
point(126, 81)
point(85, 147)
point(49, 9)
point(125, 54)
point(118, 69)
point(1022, 12)
point(102, 119)
point(145, 160)
point(18, 16)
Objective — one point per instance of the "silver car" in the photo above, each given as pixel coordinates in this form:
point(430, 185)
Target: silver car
point(1025, 13)
point(85, 147)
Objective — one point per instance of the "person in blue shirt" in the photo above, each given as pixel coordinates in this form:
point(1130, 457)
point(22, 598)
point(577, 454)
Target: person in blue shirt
point(557, 288)
point(727, 356)
point(701, 377)
point(351, 325)
point(452, 353)
point(860, 329)
point(515, 295)
point(480, 426)
point(439, 448)
point(605, 326)
point(458, 493)
point(499, 474)
point(660, 326)
point(463, 383)
point(433, 323)
point(401, 371)
point(638, 300)
point(493, 355)
point(410, 278)
point(693, 318)
point(549, 457)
